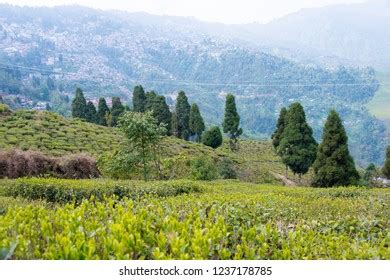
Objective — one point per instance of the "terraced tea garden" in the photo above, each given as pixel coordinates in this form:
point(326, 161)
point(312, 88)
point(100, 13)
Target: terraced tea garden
point(104, 219)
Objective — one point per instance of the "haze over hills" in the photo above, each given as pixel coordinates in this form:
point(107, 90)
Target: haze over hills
point(46, 52)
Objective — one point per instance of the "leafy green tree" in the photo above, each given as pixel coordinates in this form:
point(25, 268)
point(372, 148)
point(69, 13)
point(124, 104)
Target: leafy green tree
point(183, 116)
point(91, 114)
point(297, 146)
point(79, 105)
point(103, 112)
point(117, 109)
point(231, 121)
point(277, 135)
point(144, 135)
point(386, 167)
point(334, 166)
point(196, 122)
point(212, 137)
point(139, 99)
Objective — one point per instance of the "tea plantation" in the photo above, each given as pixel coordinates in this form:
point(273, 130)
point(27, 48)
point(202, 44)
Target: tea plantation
point(104, 219)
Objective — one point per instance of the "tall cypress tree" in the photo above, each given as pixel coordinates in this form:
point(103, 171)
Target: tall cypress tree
point(117, 109)
point(183, 116)
point(334, 165)
point(162, 113)
point(386, 167)
point(139, 99)
point(196, 122)
point(231, 121)
point(277, 135)
point(91, 114)
point(79, 105)
point(174, 129)
point(150, 100)
point(103, 112)
point(297, 146)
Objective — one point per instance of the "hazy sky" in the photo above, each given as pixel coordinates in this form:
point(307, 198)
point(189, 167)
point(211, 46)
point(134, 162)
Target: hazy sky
point(226, 11)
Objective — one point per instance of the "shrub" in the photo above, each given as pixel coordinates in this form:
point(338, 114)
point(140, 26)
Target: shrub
point(212, 137)
point(203, 168)
point(226, 169)
point(16, 163)
point(80, 166)
point(63, 191)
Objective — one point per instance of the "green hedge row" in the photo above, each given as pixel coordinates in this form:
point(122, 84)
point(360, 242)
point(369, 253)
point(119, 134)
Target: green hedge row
point(63, 191)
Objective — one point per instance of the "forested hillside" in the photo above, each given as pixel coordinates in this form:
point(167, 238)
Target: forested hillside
point(46, 52)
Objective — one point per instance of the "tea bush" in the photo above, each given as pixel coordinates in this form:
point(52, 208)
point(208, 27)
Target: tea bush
point(63, 191)
point(228, 220)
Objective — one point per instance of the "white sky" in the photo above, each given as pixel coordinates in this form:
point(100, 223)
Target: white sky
point(226, 11)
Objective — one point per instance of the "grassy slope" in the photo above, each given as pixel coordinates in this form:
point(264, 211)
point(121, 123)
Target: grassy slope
point(380, 104)
point(55, 135)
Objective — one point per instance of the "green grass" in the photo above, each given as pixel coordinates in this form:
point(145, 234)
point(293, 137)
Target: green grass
point(380, 104)
point(227, 220)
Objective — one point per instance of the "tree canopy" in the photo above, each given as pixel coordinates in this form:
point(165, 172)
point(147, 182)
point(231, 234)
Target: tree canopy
point(79, 105)
point(183, 116)
point(297, 145)
point(196, 122)
point(334, 165)
point(231, 121)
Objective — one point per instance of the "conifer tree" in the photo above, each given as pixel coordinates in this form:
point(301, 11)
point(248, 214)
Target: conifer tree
point(277, 135)
point(297, 146)
point(174, 129)
point(196, 122)
point(232, 121)
point(117, 109)
point(103, 112)
point(386, 167)
point(334, 166)
point(212, 137)
point(139, 99)
point(91, 113)
point(150, 100)
point(79, 105)
point(183, 116)
point(162, 113)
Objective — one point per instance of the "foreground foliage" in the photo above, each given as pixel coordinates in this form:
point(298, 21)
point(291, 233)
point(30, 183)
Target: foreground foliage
point(228, 221)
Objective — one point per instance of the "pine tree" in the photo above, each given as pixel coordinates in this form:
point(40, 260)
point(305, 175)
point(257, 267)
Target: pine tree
point(232, 121)
point(183, 116)
point(162, 113)
point(79, 105)
point(91, 113)
point(103, 112)
point(174, 129)
point(196, 122)
point(297, 146)
point(334, 166)
point(139, 99)
point(386, 167)
point(150, 100)
point(212, 137)
point(117, 109)
point(277, 135)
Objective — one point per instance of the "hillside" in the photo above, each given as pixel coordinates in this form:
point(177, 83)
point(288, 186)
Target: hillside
point(46, 52)
point(52, 134)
